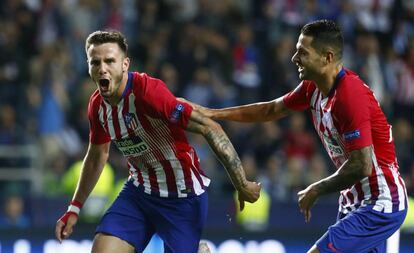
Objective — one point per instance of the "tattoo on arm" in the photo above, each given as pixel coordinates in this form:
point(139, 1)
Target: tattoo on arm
point(221, 146)
point(227, 155)
point(358, 166)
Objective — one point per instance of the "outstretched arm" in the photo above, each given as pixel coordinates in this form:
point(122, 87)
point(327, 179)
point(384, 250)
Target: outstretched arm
point(358, 166)
point(224, 150)
point(256, 112)
point(93, 164)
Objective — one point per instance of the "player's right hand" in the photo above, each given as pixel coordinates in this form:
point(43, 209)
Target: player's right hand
point(250, 193)
point(64, 226)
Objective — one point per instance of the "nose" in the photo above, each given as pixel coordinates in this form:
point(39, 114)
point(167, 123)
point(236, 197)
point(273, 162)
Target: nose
point(102, 68)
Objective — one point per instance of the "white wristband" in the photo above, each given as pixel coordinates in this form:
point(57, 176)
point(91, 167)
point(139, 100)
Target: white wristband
point(73, 209)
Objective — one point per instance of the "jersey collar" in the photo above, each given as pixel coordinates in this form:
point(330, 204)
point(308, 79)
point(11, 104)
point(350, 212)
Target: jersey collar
point(336, 83)
point(128, 85)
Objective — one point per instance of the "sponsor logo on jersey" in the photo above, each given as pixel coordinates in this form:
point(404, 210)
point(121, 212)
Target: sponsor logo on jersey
point(131, 120)
point(352, 135)
point(187, 191)
point(131, 146)
point(333, 146)
point(176, 113)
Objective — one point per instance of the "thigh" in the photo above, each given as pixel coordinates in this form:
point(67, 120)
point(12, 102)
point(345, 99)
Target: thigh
point(110, 244)
point(126, 221)
point(314, 249)
point(180, 223)
point(364, 230)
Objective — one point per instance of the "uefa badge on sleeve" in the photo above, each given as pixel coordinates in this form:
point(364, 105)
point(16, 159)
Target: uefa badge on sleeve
point(352, 135)
point(176, 113)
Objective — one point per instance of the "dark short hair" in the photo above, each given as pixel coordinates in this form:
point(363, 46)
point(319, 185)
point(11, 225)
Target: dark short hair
point(325, 33)
point(101, 37)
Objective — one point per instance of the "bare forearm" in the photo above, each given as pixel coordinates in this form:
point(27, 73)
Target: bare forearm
point(224, 150)
point(91, 170)
point(344, 178)
point(257, 112)
point(220, 144)
point(354, 169)
point(87, 181)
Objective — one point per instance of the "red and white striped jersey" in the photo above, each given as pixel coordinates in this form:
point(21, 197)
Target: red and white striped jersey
point(147, 127)
point(350, 118)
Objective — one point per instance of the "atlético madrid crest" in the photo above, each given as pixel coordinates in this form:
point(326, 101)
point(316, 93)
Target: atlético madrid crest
point(131, 120)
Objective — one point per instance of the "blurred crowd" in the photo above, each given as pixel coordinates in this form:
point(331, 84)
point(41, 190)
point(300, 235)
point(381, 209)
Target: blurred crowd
point(215, 53)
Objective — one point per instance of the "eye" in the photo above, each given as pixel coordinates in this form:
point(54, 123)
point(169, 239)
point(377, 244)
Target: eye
point(302, 52)
point(110, 60)
point(94, 63)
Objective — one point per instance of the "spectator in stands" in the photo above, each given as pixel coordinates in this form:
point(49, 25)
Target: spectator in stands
point(274, 179)
point(404, 93)
point(194, 34)
point(11, 133)
point(14, 213)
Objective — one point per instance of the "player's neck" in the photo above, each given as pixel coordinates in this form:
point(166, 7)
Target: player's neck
point(327, 79)
point(114, 100)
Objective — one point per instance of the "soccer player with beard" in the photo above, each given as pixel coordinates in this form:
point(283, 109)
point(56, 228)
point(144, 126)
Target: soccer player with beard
point(354, 132)
point(166, 190)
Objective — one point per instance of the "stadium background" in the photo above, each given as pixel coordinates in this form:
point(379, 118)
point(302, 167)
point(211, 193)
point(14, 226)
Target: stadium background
point(215, 53)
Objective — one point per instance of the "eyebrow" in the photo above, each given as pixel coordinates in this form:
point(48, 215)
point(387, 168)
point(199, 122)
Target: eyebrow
point(93, 60)
point(104, 59)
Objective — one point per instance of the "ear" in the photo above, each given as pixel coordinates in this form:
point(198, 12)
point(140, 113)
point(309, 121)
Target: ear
point(329, 57)
point(125, 64)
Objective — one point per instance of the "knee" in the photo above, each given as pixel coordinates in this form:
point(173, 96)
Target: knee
point(110, 244)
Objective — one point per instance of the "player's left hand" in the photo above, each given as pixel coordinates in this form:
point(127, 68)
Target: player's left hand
point(306, 199)
point(249, 193)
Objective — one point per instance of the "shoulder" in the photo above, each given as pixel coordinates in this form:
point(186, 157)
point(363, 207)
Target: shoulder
point(305, 87)
point(300, 97)
point(144, 82)
point(309, 86)
point(352, 87)
point(144, 79)
point(95, 100)
point(352, 97)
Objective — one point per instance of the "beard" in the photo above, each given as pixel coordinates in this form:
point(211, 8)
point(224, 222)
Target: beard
point(109, 87)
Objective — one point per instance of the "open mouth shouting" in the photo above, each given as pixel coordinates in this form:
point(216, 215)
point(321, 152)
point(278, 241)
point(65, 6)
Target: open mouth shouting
point(300, 68)
point(104, 84)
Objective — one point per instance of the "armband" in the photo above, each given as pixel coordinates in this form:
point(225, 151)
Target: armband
point(73, 208)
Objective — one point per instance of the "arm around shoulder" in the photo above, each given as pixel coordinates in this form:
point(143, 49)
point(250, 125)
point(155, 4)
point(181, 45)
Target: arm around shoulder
point(255, 112)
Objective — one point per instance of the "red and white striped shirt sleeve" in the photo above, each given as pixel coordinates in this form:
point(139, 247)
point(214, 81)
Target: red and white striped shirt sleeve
point(160, 101)
point(97, 134)
point(299, 99)
point(352, 116)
